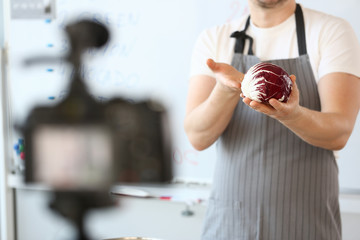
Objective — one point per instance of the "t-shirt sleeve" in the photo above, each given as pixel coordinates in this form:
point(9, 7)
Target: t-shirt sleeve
point(339, 49)
point(204, 49)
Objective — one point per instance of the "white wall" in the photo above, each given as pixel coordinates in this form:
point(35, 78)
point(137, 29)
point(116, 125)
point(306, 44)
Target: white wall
point(6, 193)
point(163, 219)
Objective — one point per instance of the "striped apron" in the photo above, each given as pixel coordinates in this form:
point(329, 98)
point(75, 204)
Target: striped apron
point(268, 183)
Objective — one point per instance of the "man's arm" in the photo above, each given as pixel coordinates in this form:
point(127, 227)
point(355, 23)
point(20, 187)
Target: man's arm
point(211, 103)
point(330, 128)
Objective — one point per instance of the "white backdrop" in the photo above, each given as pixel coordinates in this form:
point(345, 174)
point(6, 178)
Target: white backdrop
point(148, 57)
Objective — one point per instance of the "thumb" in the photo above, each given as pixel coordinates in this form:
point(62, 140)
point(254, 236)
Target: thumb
point(293, 78)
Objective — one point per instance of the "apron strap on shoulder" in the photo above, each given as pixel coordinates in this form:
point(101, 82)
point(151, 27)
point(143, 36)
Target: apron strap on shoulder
point(241, 39)
point(300, 30)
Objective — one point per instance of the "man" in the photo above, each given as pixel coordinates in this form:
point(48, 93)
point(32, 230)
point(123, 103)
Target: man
point(276, 176)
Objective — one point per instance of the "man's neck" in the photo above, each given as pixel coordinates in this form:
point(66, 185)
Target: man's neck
point(270, 17)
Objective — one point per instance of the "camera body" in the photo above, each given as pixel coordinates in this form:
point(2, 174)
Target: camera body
point(89, 145)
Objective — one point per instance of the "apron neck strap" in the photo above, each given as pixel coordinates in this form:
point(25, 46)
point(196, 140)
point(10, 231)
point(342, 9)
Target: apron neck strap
point(300, 32)
point(241, 39)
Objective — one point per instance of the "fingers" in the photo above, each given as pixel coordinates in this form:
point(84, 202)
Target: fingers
point(226, 74)
point(211, 64)
point(259, 107)
point(225, 69)
point(253, 104)
point(246, 100)
point(277, 105)
point(218, 67)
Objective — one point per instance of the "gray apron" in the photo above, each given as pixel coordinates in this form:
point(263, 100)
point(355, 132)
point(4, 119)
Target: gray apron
point(268, 183)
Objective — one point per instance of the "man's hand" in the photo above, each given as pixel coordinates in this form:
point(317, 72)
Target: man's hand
point(226, 76)
point(211, 103)
point(276, 109)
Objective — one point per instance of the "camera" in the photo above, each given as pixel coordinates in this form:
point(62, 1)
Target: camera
point(80, 147)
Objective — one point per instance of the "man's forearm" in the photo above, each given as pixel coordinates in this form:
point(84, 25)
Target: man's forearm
point(326, 130)
point(206, 122)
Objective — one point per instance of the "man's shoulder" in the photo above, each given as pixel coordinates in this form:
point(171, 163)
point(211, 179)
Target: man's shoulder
point(321, 25)
point(228, 27)
point(319, 18)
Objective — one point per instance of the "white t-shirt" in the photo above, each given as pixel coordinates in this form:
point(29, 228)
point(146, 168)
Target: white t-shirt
point(331, 44)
